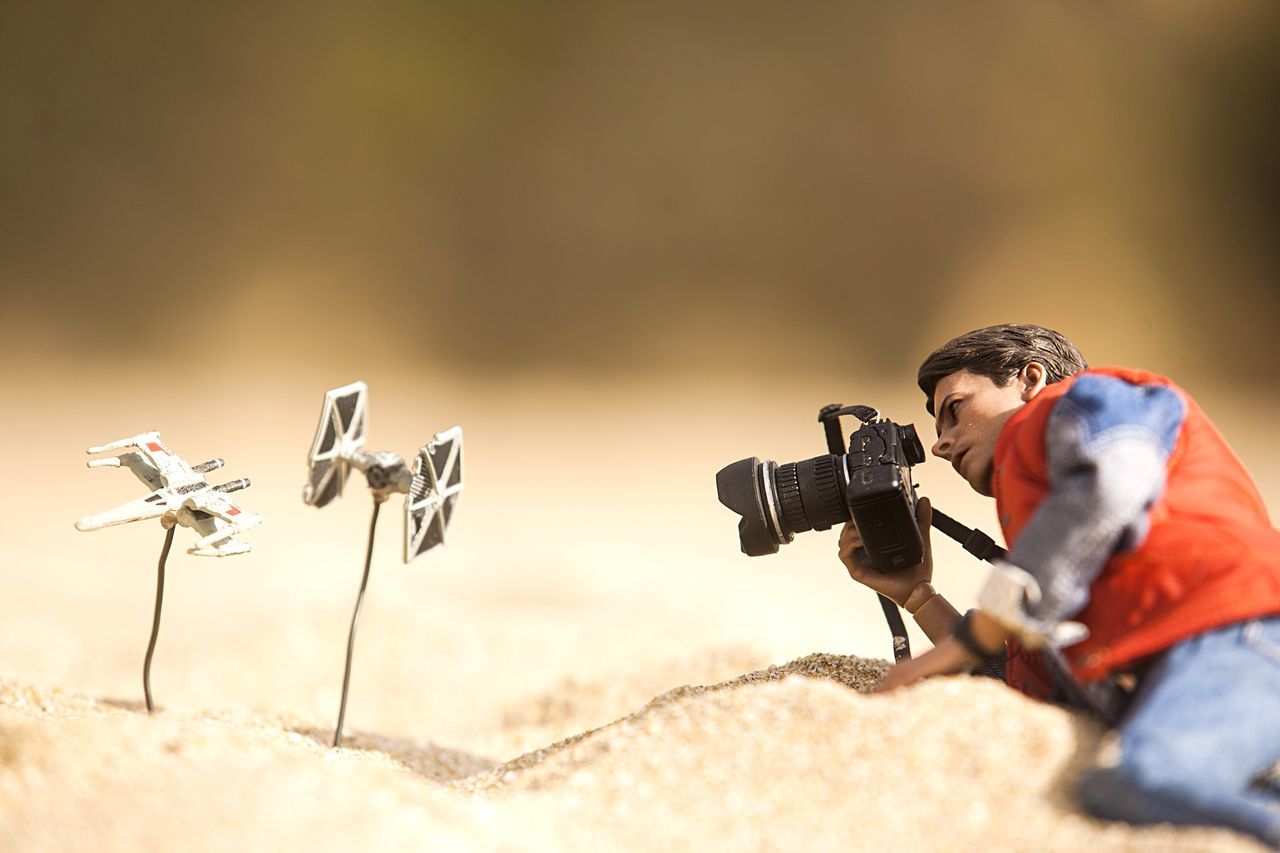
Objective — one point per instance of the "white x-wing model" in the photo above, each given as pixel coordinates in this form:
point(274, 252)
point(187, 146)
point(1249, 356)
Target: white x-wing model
point(431, 489)
point(179, 496)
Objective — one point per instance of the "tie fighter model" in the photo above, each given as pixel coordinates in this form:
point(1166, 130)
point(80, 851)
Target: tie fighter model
point(180, 496)
point(431, 489)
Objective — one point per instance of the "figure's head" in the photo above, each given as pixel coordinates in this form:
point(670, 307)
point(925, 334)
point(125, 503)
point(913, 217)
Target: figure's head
point(973, 383)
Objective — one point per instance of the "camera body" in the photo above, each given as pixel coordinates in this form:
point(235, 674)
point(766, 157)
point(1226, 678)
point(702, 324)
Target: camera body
point(868, 483)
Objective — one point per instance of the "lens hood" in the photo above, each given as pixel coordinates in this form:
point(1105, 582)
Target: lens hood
point(739, 488)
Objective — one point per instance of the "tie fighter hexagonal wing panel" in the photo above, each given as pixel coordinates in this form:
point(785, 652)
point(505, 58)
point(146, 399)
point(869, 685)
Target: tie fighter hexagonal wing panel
point(433, 493)
point(340, 433)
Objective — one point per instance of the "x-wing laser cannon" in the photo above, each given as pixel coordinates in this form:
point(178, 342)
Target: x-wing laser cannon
point(431, 489)
point(180, 496)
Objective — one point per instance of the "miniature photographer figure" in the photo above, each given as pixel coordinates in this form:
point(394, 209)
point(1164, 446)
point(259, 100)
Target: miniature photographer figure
point(1140, 548)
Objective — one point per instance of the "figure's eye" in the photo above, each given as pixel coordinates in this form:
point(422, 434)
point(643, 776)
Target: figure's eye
point(954, 409)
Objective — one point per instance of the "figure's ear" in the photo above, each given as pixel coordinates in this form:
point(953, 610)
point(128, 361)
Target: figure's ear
point(1033, 378)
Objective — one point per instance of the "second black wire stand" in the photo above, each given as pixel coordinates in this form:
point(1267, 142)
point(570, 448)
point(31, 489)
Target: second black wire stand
point(355, 619)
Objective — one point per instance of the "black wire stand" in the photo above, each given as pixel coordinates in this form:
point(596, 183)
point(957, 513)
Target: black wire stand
point(901, 645)
point(355, 619)
point(155, 622)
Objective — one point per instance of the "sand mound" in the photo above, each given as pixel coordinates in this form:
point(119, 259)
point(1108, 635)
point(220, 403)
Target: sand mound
point(578, 704)
point(790, 757)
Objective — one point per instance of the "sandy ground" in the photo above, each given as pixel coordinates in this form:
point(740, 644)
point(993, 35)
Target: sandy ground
point(584, 666)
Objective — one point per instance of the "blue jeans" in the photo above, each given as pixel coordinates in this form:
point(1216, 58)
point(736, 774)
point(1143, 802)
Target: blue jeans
point(1204, 724)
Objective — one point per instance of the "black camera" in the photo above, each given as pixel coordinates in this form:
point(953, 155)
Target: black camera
point(869, 484)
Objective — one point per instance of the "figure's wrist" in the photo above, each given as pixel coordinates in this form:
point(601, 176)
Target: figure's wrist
point(935, 616)
point(919, 595)
point(981, 636)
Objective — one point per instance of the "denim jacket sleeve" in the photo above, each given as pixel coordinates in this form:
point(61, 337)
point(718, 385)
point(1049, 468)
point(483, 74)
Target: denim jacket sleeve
point(1107, 443)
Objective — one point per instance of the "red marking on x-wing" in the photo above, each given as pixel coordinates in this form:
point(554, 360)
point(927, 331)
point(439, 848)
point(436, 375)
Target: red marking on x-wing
point(156, 448)
point(233, 511)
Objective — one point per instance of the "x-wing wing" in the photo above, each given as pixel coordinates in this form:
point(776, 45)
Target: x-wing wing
point(179, 496)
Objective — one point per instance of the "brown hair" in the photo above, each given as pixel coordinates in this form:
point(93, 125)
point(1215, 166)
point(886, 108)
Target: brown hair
point(999, 352)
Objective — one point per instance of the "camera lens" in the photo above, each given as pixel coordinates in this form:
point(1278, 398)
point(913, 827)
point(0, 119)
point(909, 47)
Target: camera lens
point(778, 501)
point(811, 494)
point(790, 506)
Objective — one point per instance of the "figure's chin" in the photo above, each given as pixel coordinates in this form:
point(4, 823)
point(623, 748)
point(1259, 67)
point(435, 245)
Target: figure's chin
point(982, 483)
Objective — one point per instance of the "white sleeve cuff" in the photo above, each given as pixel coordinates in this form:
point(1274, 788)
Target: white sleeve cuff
point(1005, 597)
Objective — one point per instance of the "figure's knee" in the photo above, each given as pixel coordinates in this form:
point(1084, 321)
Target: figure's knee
point(1152, 785)
point(1137, 782)
point(1116, 793)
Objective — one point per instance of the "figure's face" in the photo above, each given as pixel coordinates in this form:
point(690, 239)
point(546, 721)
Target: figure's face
point(971, 410)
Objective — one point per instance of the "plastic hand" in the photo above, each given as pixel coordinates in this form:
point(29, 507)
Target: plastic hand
point(943, 659)
point(892, 585)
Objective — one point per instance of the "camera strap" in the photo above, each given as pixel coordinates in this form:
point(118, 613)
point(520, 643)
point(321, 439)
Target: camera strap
point(971, 539)
point(1104, 697)
point(901, 645)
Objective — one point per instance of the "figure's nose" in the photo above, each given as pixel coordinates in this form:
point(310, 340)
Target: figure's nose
point(941, 448)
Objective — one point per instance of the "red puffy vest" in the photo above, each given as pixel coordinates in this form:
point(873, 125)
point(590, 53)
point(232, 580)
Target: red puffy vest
point(1210, 558)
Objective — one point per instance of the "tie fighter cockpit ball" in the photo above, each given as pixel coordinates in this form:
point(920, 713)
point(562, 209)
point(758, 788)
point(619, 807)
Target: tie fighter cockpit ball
point(431, 489)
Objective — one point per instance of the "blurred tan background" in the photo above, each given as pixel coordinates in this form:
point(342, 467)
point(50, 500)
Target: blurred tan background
point(621, 245)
